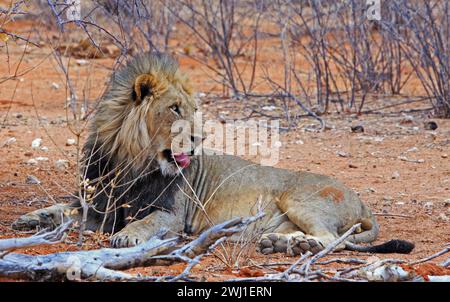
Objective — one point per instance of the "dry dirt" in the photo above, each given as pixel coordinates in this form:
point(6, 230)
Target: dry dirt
point(410, 197)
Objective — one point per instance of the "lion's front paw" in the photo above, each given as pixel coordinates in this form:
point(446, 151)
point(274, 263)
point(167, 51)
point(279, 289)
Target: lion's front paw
point(126, 238)
point(37, 219)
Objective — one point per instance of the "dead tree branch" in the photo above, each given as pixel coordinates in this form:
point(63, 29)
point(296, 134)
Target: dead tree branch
point(103, 264)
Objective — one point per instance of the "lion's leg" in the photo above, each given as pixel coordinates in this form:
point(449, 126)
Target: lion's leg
point(140, 231)
point(49, 217)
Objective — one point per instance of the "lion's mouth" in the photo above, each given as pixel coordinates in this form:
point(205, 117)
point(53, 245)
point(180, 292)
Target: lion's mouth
point(182, 159)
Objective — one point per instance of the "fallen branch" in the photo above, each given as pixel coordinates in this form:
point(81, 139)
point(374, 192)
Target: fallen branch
point(103, 264)
point(43, 237)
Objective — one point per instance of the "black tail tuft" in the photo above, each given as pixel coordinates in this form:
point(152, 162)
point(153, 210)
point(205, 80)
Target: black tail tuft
point(393, 246)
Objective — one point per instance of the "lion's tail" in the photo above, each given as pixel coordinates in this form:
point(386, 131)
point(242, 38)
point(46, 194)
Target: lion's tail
point(391, 246)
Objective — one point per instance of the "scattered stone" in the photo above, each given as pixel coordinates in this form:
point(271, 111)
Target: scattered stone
point(61, 164)
point(400, 203)
point(413, 149)
point(352, 166)
point(81, 62)
point(45, 149)
point(395, 175)
point(445, 155)
point(55, 86)
point(300, 142)
point(36, 143)
point(370, 190)
point(32, 180)
point(71, 142)
point(201, 94)
point(18, 115)
point(343, 154)
point(357, 129)
point(430, 125)
point(417, 161)
point(408, 119)
point(443, 217)
point(9, 141)
point(32, 161)
point(428, 204)
point(269, 108)
point(28, 154)
point(41, 158)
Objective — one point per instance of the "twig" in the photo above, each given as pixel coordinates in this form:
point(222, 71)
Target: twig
point(43, 237)
point(440, 253)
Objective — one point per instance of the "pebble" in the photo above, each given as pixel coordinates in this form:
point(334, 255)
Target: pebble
point(32, 161)
point(343, 154)
point(9, 141)
point(55, 86)
point(357, 129)
point(36, 143)
point(32, 180)
point(45, 149)
point(61, 164)
point(81, 62)
point(428, 204)
point(395, 175)
point(41, 158)
point(70, 142)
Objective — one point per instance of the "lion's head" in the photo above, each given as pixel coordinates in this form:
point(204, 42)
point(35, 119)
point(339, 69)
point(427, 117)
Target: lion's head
point(134, 121)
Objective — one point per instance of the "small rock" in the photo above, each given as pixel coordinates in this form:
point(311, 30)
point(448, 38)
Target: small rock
point(70, 142)
point(269, 108)
point(357, 129)
point(28, 154)
point(413, 149)
point(201, 94)
point(300, 142)
point(41, 158)
point(81, 62)
point(428, 204)
point(443, 217)
point(445, 155)
point(18, 115)
point(430, 125)
point(343, 154)
point(395, 175)
point(370, 190)
point(61, 164)
point(36, 143)
point(9, 141)
point(32, 180)
point(55, 86)
point(45, 149)
point(32, 161)
point(352, 166)
point(400, 203)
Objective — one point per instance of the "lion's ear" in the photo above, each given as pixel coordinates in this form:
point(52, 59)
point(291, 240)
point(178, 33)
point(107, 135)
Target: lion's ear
point(144, 86)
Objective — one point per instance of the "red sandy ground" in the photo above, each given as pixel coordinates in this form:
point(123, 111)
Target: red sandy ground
point(420, 192)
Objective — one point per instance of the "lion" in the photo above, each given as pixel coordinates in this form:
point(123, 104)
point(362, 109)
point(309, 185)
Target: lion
point(135, 184)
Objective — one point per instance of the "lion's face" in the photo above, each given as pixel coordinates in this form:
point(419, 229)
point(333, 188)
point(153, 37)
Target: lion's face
point(140, 119)
point(170, 122)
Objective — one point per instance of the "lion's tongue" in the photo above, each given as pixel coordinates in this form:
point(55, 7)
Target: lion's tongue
point(182, 159)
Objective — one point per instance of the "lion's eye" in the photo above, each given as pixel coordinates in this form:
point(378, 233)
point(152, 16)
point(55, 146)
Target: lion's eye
point(175, 109)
